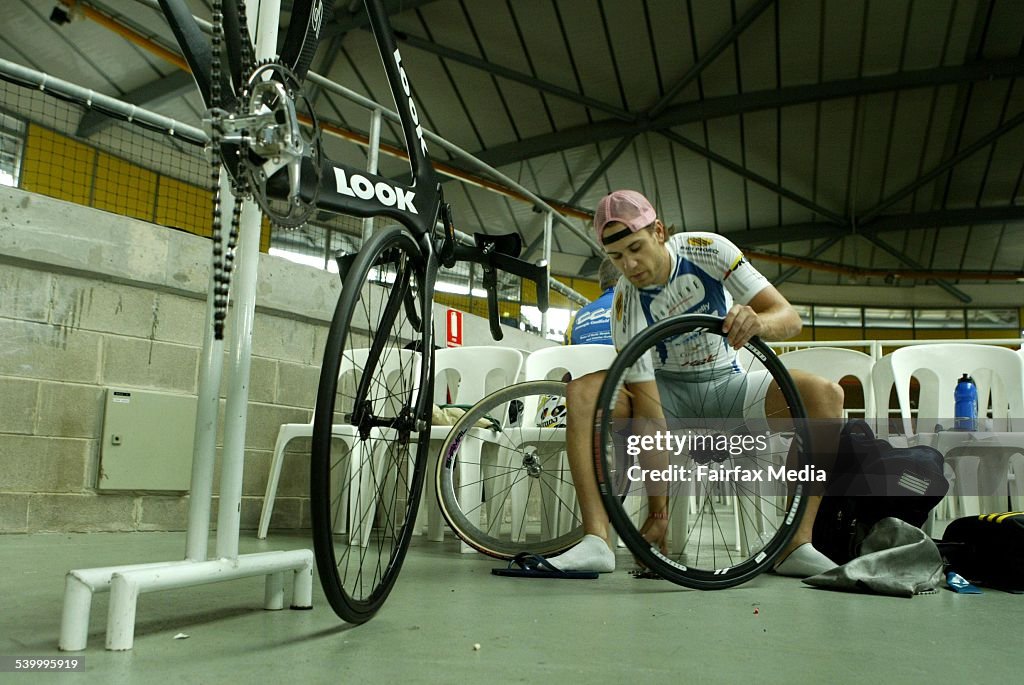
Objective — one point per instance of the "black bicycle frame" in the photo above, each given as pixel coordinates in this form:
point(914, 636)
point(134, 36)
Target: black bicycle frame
point(343, 189)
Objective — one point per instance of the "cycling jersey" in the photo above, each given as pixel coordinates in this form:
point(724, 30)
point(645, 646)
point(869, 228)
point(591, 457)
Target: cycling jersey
point(592, 324)
point(706, 269)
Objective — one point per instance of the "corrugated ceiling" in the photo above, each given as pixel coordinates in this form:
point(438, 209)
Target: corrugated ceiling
point(828, 138)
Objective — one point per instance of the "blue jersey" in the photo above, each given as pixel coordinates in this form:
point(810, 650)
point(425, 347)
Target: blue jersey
point(593, 323)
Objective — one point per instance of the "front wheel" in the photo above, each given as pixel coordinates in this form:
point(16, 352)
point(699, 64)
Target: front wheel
point(733, 477)
point(371, 425)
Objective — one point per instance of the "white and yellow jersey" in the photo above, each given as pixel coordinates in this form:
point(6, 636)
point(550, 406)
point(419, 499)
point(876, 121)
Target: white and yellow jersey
point(706, 270)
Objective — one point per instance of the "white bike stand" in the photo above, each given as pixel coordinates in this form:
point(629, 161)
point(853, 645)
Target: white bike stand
point(126, 583)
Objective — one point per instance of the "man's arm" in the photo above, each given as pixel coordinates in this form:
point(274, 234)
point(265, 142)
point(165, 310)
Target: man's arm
point(768, 315)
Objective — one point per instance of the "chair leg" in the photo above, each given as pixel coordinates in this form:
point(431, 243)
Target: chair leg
point(1016, 484)
point(498, 471)
point(993, 475)
point(342, 485)
point(435, 523)
point(273, 478)
point(560, 507)
point(751, 520)
point(470, 489)
point(362, 496)
point(965, 485)
point(395, 493)
point(679, 514)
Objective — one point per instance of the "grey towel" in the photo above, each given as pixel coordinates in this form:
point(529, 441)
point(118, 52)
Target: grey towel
point(896, 559)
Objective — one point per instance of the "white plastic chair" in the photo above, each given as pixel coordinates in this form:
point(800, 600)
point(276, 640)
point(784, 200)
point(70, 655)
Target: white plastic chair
point(834, 364)
point(552, 363)
point(980, 463)
point(397, 364)
point(469, 374)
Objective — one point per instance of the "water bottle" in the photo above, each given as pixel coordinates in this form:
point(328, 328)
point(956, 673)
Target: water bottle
point(965, 410)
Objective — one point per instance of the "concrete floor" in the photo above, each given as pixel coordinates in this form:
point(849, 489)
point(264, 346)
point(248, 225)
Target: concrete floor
point(615, 629)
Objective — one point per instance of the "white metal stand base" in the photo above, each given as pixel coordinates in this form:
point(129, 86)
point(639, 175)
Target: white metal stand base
point(126, 583)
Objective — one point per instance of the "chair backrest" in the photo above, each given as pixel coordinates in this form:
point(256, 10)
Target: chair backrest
point(552, 363)
point(397, 370)
point(998, 373)
point(834, 364)
point(472, 373)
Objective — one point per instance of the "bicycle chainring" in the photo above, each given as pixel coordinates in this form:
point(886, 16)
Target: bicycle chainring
point(284, 153)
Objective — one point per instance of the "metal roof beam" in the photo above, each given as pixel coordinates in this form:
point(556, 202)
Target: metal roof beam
point(724, 42)
point(975, 216)
point(755, 178)
point(608, 160)
point(710, 56)
point(945, 285)
point(793, 270)
point(598, 172)
point(816, 230)
point(513, 75)
point(789, 233)
point(354, 16)
point(943, 167)
point(730, 105)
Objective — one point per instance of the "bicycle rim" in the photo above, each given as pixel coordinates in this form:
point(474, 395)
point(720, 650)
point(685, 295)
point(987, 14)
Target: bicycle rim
point(733, 505)
point(369, 430)
point(503, 479)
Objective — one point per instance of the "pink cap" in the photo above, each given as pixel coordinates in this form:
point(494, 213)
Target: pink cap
point(627, 207)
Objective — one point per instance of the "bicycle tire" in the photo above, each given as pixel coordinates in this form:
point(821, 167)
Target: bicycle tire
point(363, 513)
point(718, 556)
point(501, 523)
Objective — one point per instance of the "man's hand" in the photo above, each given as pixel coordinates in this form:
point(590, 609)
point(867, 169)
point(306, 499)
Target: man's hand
point(741, 324)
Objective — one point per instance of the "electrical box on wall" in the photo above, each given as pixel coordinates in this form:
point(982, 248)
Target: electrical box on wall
point(147, 440)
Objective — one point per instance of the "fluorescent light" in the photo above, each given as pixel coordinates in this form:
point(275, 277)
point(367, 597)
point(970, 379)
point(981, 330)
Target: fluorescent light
point(455, 289)
point(308, 260)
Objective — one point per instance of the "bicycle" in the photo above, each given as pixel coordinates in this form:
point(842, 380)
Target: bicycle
point(265, 134)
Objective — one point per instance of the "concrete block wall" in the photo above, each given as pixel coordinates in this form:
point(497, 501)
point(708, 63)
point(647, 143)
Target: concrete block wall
point(90, 300)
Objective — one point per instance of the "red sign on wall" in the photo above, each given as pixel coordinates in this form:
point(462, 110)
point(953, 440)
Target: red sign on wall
point(453, 324)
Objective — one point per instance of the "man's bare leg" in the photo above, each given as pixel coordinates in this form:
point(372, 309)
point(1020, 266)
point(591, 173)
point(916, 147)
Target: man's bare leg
point(593, 553)
point(823, 400)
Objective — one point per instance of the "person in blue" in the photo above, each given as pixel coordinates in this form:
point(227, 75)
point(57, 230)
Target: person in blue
point(592, 324)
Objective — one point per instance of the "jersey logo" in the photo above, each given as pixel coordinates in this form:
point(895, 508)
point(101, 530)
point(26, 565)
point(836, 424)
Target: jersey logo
point(597, 316)
point(699, 241)
point(740, 261)
point(618, 306)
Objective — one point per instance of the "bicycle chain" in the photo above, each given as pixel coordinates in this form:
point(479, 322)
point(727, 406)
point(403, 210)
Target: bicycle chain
point(224, 255)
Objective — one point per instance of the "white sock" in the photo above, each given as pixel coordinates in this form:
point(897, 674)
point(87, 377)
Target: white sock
point(804, 562)
point(591, 554)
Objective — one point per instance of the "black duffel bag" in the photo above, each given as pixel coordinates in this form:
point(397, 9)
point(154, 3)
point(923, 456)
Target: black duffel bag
point(872, 480)
point(987, 549)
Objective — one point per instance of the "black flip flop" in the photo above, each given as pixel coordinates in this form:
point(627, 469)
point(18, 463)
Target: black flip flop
point(527, 565)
